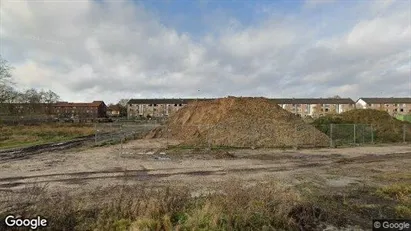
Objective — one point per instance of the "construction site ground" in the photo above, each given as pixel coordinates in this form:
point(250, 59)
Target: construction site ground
point(149, 162)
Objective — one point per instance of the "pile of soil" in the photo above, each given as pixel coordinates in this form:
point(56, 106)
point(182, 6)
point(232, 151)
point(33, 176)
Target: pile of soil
point(386, 127)
point(239, 122)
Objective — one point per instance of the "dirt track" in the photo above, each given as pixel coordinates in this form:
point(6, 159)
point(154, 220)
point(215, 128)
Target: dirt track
point(147, 161)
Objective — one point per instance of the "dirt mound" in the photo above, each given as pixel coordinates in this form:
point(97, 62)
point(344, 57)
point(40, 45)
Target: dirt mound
point(386, 127)
point(239, 122)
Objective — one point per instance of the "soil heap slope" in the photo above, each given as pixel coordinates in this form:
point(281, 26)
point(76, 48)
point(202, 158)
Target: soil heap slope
point(239, 122)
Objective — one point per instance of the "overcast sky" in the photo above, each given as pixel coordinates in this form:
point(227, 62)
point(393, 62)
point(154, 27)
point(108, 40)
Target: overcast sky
point(108, 50)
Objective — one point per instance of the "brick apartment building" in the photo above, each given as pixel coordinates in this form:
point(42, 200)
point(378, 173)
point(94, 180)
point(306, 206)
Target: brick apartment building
point(394, 106)
point(42, 111)
point(23, 109)
point(143, 108)
point(315, 107)
point(95, 109)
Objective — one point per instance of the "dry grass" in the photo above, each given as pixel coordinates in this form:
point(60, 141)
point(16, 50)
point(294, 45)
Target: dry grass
point(233, 207)
point(400, 193)
point(20, 135)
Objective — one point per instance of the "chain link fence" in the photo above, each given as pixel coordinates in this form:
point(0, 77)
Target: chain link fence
point(359, 134)
point(285, 135)
point(248, 135)
point(117, 133)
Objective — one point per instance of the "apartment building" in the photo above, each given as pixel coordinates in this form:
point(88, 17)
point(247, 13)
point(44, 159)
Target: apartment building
point(95, 109)
point(394, 106)
point(315, 107)
point(146, 108)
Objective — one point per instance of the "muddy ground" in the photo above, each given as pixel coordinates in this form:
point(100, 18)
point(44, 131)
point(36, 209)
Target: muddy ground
point(346, 177)
point(149, 162)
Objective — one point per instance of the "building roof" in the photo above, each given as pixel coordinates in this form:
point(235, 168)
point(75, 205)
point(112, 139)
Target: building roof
point(314, 101)
point(278, 101)
point(113, 108)
point(391, 100)
point(162, 101)
point(67, 104)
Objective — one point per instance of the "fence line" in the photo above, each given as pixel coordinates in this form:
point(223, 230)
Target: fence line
point(250, 136)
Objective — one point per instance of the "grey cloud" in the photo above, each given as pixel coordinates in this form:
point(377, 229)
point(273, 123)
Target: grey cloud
point(118, 49)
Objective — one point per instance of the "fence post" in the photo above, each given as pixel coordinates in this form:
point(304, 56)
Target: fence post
point(363, 134)
point(403, 133)
point(295, 137)
point(355, 133)
point(207, 131)
point(167, 131)
point(95, 134)
point(111, 132)
point(121, 140)
point(331, 135)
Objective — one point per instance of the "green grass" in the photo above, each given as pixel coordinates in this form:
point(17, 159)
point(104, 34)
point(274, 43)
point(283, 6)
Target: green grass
point(22, 136)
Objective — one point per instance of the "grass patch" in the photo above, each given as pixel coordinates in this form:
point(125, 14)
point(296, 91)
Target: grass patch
point(232, 206)
point(20, 135)
point(400, 194)
point(235, 206)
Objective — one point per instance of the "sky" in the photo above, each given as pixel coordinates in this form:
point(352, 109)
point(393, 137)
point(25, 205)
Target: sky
point(114, 49)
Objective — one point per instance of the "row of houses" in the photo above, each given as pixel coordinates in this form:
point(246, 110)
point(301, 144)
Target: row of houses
point(93, 110)
point(145, 108)
point(313, 107)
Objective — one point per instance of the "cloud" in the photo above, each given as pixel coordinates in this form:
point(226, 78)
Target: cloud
point(315, 3)
point(90, 50)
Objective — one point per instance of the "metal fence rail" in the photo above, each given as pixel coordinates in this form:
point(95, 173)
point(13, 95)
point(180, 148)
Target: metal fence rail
point(251, 136)
point(118, 133)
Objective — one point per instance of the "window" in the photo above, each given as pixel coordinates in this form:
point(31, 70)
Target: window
point(401, 110)
point(369, 105)
point(155, 105)
point(395, 109)
point(326, 109)
point(180, 105)
point(175, 105)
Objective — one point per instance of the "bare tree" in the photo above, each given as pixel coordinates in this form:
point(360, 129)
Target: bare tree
point(49, 97)
point(32, 96)
point(123, 102)
point(5, 72)
point(8, 94)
